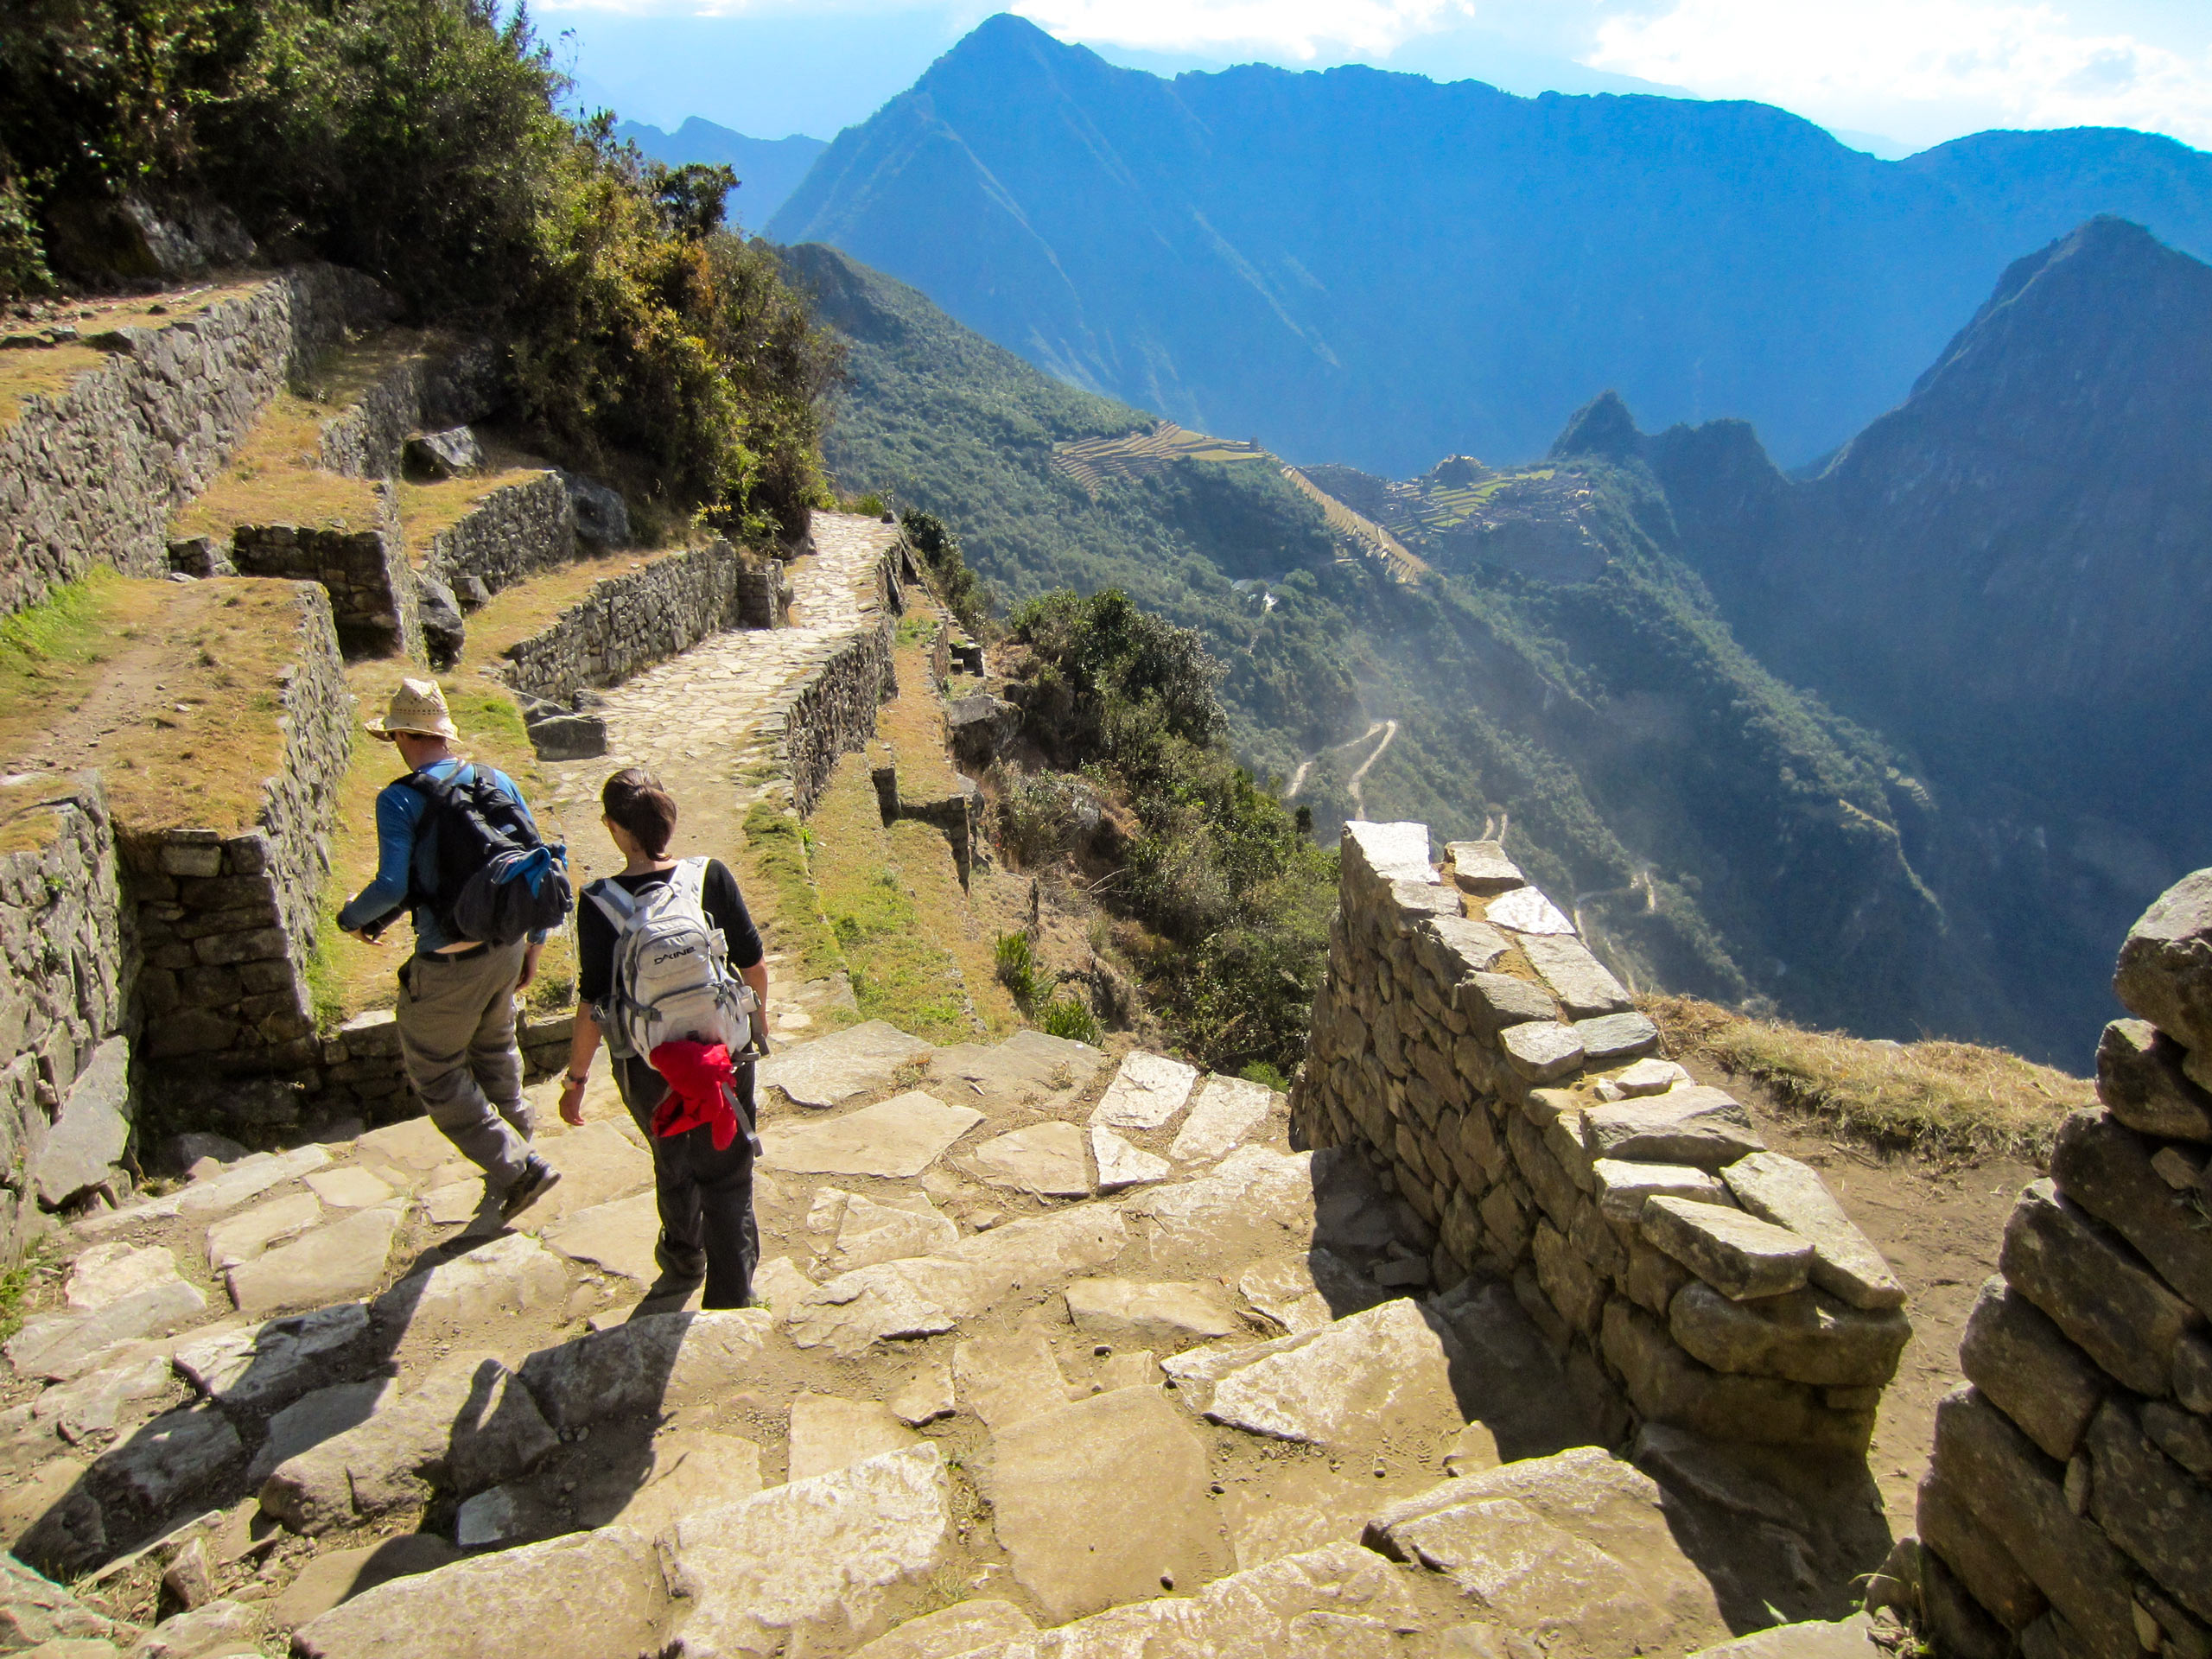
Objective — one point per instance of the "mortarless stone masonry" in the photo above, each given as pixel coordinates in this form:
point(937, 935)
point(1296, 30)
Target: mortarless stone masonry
point(2067, 1507)
point(513, 533)
point(91, 475)
point(1499, 1081)
point(631, 621)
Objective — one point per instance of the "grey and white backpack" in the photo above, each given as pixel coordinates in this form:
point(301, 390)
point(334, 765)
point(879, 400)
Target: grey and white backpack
point(671, 979)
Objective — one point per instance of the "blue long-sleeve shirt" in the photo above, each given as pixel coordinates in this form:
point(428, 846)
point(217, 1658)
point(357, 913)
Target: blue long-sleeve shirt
point(401, 853)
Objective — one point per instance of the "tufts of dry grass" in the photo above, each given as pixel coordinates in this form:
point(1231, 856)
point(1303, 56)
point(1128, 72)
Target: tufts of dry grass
point(1953, 1102)
point(50, 370)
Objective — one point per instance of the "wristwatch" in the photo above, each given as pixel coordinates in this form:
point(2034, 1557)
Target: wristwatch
point(572, 1078)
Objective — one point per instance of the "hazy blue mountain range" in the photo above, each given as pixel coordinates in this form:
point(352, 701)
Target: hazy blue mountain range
point(1717, 831)
point(768, 169)
point(1377, 269)
point(2011, 575)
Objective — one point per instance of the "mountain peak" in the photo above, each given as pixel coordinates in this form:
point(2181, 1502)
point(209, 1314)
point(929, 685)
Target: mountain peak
point(1603, 427)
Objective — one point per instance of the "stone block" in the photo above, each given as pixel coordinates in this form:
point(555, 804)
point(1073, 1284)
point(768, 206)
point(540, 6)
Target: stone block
point(1493, 1001)
point(1610, 1039)
point(2156, 1512)
point(652, 1363)
point(1667, 1386)
point(1541, 1050)
point(2105, 1166)
point(2165, 973)
point(1481, 866)
point(2019, 1496)
point(179, 1455)
point(1790, 1194)
point(1807, 1336)
point(1738, 1254)
point(1584, 986)
point(2182, 1435)
point(2021, 1361)
point(2111, 1306)
point(1621, 1188)
point(1575, 1290)
point(1652, 1278)
point(2139, 1078)
point(1947, 1525)
point(1453, 948)
point(2193, 1373)
point(1552, 1187)
point(1375, 854)
point(91, 1130)
point(1699, 1126)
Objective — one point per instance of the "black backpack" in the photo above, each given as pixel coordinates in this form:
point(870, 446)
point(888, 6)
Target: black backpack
point(496, 880)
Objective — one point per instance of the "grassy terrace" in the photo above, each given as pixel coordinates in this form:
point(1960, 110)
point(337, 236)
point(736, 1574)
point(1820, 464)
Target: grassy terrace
point(172, 690)
point(49, 371)
point(1951, 1101)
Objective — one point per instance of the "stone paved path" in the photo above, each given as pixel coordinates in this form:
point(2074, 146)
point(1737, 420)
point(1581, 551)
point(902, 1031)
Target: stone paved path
point(697, 718)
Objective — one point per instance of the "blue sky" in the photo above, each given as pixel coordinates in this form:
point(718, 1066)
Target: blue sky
point(1915, 72)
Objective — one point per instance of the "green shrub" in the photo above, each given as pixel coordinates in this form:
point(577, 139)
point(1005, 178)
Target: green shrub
point(1017, 967)
point(965, 592)
point(1065, 1016)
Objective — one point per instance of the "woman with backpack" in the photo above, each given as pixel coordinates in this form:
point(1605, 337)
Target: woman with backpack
point(670, 973)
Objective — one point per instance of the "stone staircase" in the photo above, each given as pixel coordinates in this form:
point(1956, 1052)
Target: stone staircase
point(1052, 1355)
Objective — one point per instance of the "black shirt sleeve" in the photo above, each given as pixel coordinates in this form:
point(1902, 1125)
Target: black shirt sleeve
point(725, 908)
point(594, 950)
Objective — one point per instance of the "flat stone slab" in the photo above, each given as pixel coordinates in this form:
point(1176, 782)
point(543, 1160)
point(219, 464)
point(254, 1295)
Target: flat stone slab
point(1699, 1125)
point(243, 1236)
point(1790, 1194)
point(598, 1164)
point(212, 1195)
point(779, 1286)
point(1122, 1164)
point(1526, 911)
point(812, 1560)
point(1029, 1066)
point(1584, 986)
point(828, 1433)
point(338, 1262)
point(1308, 1290)
point(618, 1237)
point(1146, 1093)
point(927, 1397)
point(1573, 1549)
point(1648, 1076)
point(456, 1202)
point(657, 1362)
point(108, 1272)
point(895, 1141)
point(413, 1143)
point(1738, 1255)
point(1256, 1202)
point(108, 1399)
point(348, 1186)
point(514, 1272)
point(338, 1575)
point(964, 1628)
point(1623, 1186)
point(1346, 1385)
point(606, 1584)
point(1226, 1113)
point(1610, 1039)
point(1482, 867)
point(266, 1366)
point(692, 1470)
point(1006, 1380)
point(1103, 1501)
point(179, 1453)
point(1807, 1336)
point(1397, 851)
point(1163, 1317)
point(1848, 1638)
point(1541, 1050)
point(59, 1346)
point(868, 1232)
point(314, 1418)
point(1047, 1158)
point(91, 1129)
point(831, 1071)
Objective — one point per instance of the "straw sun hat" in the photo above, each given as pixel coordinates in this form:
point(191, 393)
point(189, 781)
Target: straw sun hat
point(417, 706)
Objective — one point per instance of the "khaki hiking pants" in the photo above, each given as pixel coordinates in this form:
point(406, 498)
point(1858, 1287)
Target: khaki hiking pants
point(456, 1019)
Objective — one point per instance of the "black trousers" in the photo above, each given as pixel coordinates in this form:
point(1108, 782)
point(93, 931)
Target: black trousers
point(705, 1196)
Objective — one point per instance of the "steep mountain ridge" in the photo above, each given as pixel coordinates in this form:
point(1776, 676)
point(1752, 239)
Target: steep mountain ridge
point(1376, 269)
point(2011, 574)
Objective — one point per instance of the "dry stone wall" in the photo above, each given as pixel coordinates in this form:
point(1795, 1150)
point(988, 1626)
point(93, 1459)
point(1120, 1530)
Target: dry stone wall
point(441, 386)
point(513, 533)
point(1500, 1081)
point(226, 924)
point(92, 475)
point(629, 622)
point(63, 961)
point(2067, 1507)
point(373, 599)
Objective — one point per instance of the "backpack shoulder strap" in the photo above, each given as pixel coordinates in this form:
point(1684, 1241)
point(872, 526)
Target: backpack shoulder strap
point(689, 878)
point(616, 900)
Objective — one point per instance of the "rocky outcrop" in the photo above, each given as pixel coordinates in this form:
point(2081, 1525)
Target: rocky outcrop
point(1497, 1077)
point(2067, 1507)
point(89, 475)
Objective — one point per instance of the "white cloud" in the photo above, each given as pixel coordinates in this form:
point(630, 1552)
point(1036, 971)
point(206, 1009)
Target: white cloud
point(1300, 30)
point(1922, 69)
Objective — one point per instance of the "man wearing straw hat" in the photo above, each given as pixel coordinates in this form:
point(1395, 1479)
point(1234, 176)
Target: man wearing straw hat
point(456, 1013)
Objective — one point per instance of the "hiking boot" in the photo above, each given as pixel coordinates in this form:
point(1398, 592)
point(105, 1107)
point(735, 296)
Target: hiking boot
point(688, 1266)
point(538, 1179)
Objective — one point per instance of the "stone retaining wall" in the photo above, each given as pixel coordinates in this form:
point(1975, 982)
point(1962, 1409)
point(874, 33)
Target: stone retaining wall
point(439, 386)
point(2067, 1507)
point(373, 598)
point(91, 473)
point(64, 965)
point(1497, 1077)
point(513, 533)
point(227, 922)
point(629, 622)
